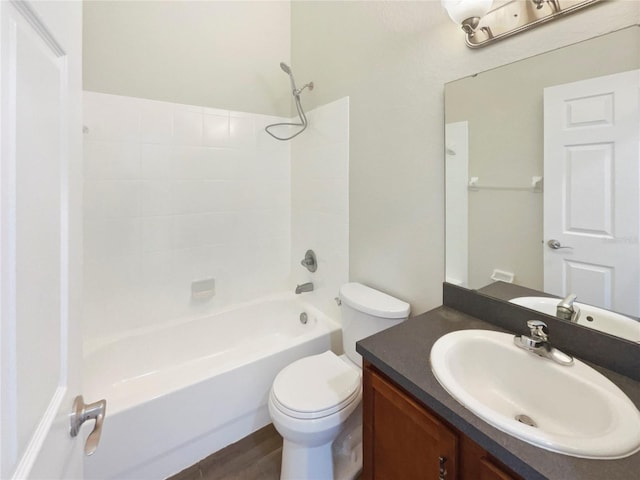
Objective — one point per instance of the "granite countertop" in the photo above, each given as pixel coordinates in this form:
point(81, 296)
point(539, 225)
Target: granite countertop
point(402, 353)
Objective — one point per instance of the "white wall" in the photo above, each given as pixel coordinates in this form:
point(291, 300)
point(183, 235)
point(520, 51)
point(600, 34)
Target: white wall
point(320, 203)
point(222, 54)
point(392, 60)
point(175, 193)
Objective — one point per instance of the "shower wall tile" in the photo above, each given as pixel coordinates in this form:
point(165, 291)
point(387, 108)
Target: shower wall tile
point(112, 160)
point(155, 162)
point(241, 131)
point(177, 193)
point(156, 122)
point(187, 126)
point(320, 203)
point(118, 120)
point(216, 129)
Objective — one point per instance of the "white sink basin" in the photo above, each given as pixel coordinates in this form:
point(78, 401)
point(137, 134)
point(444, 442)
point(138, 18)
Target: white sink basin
point(576, 410)
point(592, 317)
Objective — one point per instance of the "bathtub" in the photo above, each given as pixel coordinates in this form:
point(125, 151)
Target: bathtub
point(178, 393)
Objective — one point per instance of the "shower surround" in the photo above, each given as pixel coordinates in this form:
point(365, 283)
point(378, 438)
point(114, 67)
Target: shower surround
point(175, 194)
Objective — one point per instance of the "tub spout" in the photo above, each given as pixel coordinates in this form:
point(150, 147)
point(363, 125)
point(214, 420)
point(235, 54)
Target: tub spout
point(305, 287)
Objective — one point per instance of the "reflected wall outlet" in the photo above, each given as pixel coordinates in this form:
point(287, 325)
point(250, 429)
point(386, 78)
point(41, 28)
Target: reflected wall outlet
point(203, 289)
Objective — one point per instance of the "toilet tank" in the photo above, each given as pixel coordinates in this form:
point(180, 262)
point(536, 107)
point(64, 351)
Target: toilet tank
point(366, 311)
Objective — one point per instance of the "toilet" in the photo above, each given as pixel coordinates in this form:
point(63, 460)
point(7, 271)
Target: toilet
point(315, 402)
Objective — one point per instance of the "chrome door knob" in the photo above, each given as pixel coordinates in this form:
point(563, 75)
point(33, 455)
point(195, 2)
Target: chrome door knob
point(80, 413)
point(556, 245)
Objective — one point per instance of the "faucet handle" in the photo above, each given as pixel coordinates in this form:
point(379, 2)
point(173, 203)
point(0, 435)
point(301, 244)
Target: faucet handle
point(539, 330)
point(309, 261)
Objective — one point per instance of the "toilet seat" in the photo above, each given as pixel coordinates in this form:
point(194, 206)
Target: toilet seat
point(316, 386)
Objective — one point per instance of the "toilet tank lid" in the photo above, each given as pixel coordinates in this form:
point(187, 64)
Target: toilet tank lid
point(373, 302)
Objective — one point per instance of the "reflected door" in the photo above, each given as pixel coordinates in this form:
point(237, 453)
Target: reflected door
point(591, 183)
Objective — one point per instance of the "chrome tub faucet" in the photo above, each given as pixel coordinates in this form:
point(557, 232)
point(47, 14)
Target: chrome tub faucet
point(305, 287)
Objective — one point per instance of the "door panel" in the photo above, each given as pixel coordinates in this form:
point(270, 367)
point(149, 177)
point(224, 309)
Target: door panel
point(592, 281)
point(39, 173)
point(591, 198)
point(40, 74)
point(589, 202)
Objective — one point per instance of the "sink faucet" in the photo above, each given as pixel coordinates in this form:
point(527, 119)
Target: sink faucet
point(566, 310)
point(538, 343)
point(305, 287)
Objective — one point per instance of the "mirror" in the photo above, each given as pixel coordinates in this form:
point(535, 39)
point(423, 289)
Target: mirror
point(536, 194)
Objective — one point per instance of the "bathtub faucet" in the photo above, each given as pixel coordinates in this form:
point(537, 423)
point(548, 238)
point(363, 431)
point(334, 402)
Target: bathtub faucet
point(305, 287)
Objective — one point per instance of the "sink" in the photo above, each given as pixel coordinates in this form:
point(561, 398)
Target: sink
point(592, 317)
point(573, 410)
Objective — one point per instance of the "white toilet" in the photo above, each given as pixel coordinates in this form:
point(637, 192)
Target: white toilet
point(315, 401)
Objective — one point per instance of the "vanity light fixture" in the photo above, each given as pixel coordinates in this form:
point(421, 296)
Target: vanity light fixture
point(483, 26)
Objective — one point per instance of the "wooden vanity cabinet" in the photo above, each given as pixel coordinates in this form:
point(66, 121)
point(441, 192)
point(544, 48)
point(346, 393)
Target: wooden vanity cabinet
point(404, 440)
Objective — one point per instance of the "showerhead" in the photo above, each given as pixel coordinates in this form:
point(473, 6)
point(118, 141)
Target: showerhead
point(285, 68)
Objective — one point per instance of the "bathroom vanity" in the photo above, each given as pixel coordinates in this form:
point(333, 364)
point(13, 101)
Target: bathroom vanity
point(414, 429)
point(402, 438)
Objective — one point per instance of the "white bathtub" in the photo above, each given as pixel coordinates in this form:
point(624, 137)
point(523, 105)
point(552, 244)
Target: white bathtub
point(178, 393)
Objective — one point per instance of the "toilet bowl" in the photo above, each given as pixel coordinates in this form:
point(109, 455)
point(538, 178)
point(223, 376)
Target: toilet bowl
point(315, 402)
point(309, 404)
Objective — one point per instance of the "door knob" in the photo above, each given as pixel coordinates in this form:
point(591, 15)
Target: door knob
point(556, 245)
point(80, 413)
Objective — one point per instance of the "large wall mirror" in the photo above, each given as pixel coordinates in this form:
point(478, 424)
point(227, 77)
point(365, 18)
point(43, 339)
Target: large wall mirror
point(543, 176)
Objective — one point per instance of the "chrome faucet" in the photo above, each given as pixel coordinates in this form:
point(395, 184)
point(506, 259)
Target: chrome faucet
point(538, 343)
point(305, 287)
point(566, 310)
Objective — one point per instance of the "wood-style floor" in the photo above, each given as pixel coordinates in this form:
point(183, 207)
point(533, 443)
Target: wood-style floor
point(256, 457)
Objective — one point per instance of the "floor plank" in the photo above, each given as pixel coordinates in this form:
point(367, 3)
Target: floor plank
point(256, 457)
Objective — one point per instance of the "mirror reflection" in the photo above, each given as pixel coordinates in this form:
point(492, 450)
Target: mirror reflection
point(542, 179)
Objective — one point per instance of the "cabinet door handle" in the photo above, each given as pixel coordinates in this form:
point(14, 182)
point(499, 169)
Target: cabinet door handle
point(443, 469)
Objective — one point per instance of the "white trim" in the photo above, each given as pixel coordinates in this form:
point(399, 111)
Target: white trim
point(38, 26)
point(40, 435)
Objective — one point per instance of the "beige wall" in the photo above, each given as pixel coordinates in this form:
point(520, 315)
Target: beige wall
point(504, 108)
point(222, 54)
point(392, 59)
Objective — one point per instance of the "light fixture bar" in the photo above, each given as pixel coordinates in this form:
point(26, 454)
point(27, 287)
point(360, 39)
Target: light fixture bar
point(519, 16)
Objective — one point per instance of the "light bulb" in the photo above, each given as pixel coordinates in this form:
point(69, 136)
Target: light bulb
point(460, 10)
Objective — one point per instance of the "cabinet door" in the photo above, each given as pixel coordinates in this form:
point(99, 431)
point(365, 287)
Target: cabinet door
point(476, 464)
point(401, 439)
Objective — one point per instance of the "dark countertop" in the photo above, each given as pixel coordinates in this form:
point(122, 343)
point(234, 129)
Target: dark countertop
point(402, 353)
point(507, 291)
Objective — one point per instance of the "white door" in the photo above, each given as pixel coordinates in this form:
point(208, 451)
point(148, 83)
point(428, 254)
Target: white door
point(591, 200)
point(40, 237)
